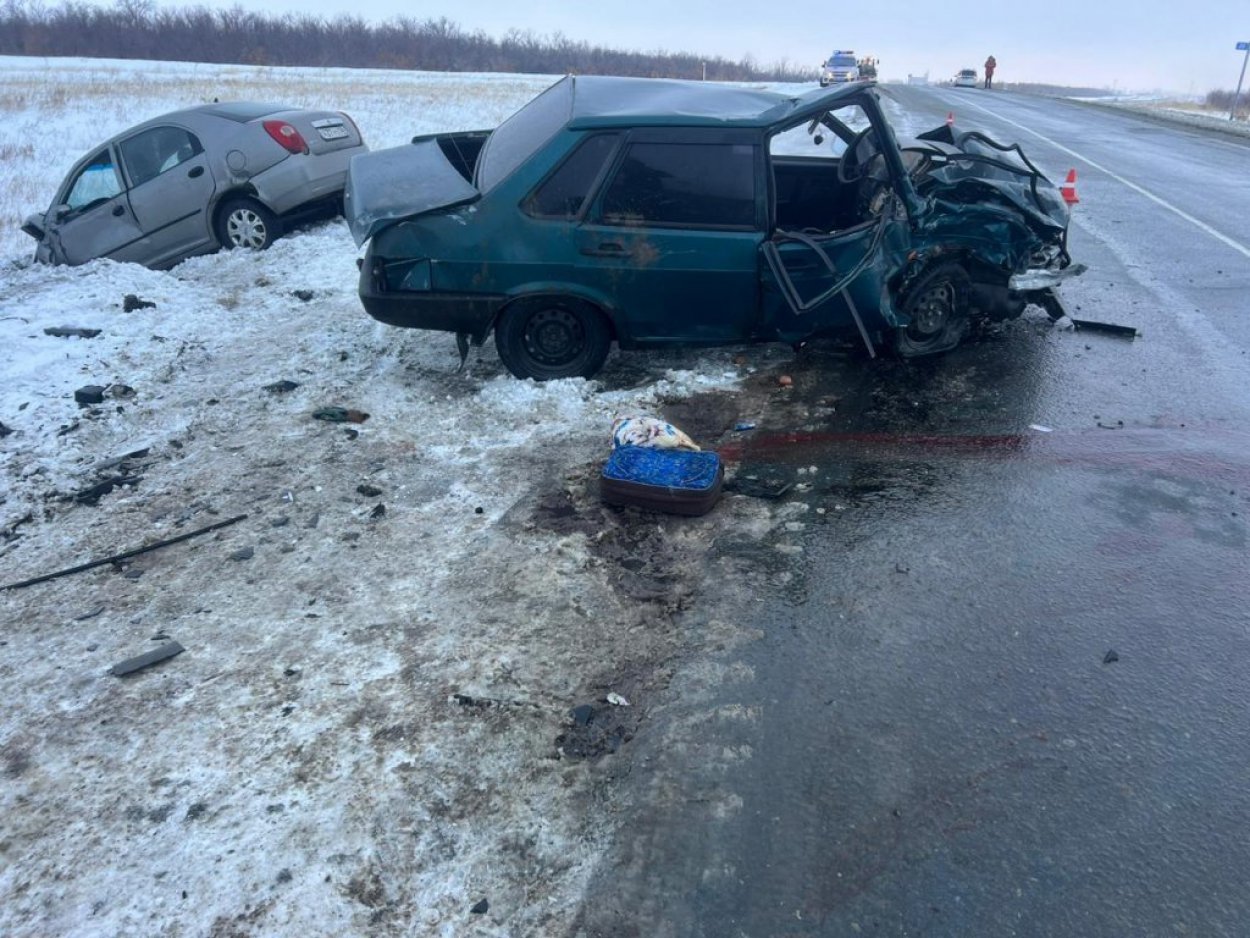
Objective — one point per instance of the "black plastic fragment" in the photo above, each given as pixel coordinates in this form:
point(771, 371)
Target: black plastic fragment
point(139, 662)
point(130, 303)
point(89, 394)
point(71, 332)
point(481, 907)
point(1129, 332)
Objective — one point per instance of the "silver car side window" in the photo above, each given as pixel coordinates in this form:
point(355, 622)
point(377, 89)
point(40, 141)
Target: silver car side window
point(96, 182)
point(155, 151)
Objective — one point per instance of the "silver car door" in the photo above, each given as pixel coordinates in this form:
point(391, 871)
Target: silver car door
point(92, 217)
point(170, 190)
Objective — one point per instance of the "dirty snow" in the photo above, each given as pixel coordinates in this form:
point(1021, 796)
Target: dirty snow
point(306, 764)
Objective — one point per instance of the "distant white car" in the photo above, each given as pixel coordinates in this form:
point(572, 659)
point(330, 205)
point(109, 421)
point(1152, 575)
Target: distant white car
point(966, 78)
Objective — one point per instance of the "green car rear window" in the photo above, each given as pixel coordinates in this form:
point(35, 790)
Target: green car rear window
point(520, 136)
point(564, 192)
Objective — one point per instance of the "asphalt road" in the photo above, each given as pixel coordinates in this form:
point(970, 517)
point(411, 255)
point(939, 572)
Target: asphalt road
point(1001, 683)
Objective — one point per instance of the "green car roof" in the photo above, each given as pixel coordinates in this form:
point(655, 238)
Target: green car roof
point(604, 101)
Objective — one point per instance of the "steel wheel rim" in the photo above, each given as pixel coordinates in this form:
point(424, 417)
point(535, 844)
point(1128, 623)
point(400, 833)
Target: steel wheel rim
point(933, 310)
point(554, 336)
point(246, 229)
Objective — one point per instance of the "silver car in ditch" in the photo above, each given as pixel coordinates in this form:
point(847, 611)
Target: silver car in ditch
point(230, 175)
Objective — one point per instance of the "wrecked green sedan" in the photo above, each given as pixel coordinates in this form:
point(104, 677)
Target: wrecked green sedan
point(661, 213)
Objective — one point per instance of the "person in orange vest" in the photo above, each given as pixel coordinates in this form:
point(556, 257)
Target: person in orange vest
point(990, 65)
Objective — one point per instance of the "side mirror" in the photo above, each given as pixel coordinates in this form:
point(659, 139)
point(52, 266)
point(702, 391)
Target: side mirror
point(59, 212)
point(33, 226)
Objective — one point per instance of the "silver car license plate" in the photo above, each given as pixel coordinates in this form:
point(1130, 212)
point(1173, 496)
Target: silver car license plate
point(332, 133)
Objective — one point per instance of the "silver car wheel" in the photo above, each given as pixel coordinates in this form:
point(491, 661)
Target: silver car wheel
point(246, 229)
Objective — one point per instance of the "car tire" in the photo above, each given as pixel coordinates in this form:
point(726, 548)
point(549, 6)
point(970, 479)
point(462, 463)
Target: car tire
point(546, 338)
point(936, 306)
point(245, 223)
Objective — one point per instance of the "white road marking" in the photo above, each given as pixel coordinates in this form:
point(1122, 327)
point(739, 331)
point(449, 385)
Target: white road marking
point(1201, 225)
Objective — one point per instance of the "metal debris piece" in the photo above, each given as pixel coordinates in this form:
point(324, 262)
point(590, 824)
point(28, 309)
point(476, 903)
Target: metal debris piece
point(1110, 657)
point(139, 662)
point(89, 394)
point(281, 387)
point(116, 557)
point(617, 700)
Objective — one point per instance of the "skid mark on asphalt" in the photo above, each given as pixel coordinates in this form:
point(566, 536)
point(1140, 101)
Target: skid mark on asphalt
point(1198, 223)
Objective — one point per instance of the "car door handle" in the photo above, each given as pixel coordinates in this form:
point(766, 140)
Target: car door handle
point(606, 249)
point(119, 210)
point(196, 173)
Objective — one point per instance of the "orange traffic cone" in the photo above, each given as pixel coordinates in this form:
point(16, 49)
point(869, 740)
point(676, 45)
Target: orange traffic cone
point(950, 118)
point(1068, 189)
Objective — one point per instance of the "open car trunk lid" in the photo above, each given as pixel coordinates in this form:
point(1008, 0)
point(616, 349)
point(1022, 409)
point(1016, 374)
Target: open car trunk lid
point(386, 186)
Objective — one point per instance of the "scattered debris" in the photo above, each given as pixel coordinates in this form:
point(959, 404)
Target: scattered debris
point(744, 426)
point(899, 568)
point(89, 394)
point(369, 491)
point(118, 460)
point(378, 511)
point(116, 557)
point(281, 387)
point(1110, 657)
point(758, 488)
point(1041, 429)
point(130, 303)
point(4, 430)
point(785, 381)
point(303, 295)
point(139, 662)
point(92, 495)
point(1128, 332)
point(617, 700)
point(71, 332)
point(243, 553)
point(340, 415)
point(89, 615)
point(583, 714)
point(481, 907)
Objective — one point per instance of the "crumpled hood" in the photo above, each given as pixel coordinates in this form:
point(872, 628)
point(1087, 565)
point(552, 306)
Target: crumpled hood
point(385, 186)
point(979, 170)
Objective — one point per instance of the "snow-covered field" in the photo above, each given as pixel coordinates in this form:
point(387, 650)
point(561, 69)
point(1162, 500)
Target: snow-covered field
point(305, 766)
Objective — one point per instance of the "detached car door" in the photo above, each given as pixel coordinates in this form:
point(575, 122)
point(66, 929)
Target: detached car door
point(92, 216)
point(170, 190)
point(674, 234)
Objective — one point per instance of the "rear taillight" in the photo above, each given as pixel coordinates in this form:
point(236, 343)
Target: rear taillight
point(287, 136)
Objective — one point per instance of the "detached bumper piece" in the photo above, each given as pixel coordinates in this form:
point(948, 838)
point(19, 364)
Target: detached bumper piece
point(674, 481)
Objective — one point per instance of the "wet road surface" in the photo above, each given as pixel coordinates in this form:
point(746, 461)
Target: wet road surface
point(1000, 684)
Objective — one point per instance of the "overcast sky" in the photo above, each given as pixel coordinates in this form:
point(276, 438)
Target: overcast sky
point(1122, 44)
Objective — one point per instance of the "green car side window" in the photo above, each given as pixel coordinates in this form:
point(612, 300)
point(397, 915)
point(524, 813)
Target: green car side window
point(701, 185)
point(563, 193)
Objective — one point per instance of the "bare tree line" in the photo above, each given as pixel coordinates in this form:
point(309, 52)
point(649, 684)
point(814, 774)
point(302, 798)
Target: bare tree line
point(136, 29)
